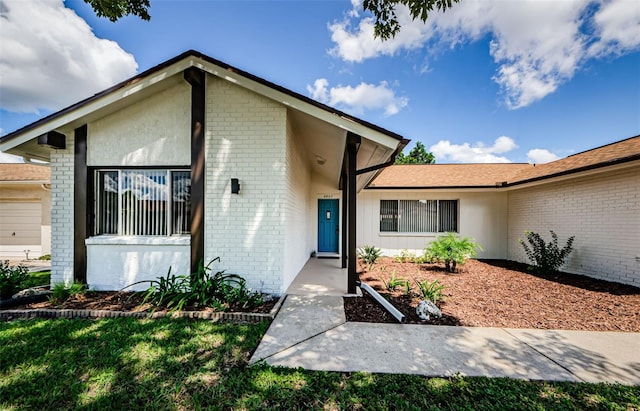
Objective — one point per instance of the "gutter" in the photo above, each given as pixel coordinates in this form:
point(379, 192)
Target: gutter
point(383, 302)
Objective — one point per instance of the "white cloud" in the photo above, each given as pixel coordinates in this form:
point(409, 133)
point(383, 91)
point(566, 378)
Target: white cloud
point(541, 156)
point(358, 44)
point(537, 45)
point(9, 158)
point(618, 25)
point(446, 152)
point(362, 97)
point(51, 58)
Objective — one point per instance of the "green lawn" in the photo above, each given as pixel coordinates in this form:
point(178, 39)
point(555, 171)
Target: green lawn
point(38, 278)
point(185, 364)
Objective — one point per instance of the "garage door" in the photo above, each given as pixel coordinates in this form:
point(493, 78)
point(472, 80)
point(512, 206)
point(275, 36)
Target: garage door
point(19, 228)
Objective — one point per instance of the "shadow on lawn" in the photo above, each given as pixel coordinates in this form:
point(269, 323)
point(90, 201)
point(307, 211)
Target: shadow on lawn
point(176, 364)
point(575, 280)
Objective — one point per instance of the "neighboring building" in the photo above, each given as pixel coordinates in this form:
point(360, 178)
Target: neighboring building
point(594, 195)
point(193, 160)
point(25, 211)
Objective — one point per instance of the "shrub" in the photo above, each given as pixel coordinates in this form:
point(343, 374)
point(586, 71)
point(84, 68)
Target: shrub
point(369, 254)
point(12, 279)
point(430, 290)
point(219, 290)
point(546, 258)
point(46, 257)
point(452, 250)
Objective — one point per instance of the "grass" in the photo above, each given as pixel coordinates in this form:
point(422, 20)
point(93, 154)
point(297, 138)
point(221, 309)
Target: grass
point(185, 364)
point(38, 278)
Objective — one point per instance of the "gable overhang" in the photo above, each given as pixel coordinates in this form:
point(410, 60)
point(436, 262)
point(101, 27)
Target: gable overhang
point(378, 144)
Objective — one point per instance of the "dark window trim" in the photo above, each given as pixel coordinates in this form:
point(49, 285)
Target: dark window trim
point(397, 225)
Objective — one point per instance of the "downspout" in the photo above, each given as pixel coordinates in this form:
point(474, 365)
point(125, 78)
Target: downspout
point(383, 302)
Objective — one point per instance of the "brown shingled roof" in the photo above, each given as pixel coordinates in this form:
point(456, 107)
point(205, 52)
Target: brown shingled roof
point(24, 172)
point(614, 153)
point(446, 175)
point(506, 174)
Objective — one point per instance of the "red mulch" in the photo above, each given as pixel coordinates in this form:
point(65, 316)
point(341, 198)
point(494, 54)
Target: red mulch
point(124, 301)
point(497, 293)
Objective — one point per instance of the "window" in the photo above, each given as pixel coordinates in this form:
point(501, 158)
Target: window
point(142, 202)
point(418, 216)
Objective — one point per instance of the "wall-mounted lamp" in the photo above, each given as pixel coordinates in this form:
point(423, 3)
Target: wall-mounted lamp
point(235, 186)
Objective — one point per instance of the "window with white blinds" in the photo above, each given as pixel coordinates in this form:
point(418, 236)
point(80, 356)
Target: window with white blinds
point(143, 202)
point(418, 216)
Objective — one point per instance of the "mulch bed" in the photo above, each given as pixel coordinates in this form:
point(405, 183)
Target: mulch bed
point(125, 301)
point(497, 293)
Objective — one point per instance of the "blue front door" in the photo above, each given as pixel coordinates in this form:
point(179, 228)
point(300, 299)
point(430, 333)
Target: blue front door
point(328, 221)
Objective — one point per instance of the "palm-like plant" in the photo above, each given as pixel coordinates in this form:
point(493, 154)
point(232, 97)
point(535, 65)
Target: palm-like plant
point(452, 250)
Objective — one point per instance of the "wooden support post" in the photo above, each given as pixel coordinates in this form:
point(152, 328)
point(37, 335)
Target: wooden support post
point(80, 205)
point(353, 144)
point(196, 78)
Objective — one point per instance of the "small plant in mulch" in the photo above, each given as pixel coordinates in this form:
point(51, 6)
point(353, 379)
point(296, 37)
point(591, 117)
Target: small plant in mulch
point(204, 288)
point(452, 250)
point(369, 254)
point(394, 282)
point(546, 257)
point(61, 292)
point(430, 290)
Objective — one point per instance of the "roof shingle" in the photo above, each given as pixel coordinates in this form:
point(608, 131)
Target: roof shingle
point(505, 174)
point(24, 172)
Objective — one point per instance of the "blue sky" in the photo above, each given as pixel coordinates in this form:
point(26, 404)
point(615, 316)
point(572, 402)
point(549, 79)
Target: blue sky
point(488, 81)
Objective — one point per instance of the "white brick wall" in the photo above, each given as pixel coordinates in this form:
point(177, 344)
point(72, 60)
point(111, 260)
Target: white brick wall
point(296, 217)
point(62, 214)
point(602, 211)
point(155, 131)
point(245, 139)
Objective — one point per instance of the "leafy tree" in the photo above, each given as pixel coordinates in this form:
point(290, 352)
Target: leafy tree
point(417, 155)
point(384, 11)
point(116, 9)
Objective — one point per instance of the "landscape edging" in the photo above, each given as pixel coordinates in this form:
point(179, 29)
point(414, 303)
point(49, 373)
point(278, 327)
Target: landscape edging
point(8, 315)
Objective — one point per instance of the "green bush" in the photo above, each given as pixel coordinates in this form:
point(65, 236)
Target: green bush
point(12, 279)
point(431, 290)
point(546, 257)
point(46, 257)
point(452, 250)
point(369, 254)
point(201, 289)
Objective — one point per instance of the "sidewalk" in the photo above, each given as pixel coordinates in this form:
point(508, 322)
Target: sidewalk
point(311, 332)
point(32, 265)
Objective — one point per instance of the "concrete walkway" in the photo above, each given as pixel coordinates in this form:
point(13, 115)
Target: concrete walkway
point(311, 332)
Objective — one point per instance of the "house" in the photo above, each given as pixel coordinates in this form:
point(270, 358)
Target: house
point(25, 211)
point(593, 195)
point(195, 159)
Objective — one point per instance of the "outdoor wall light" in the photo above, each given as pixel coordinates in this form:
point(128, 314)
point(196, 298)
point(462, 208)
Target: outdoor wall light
point(235, 186)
